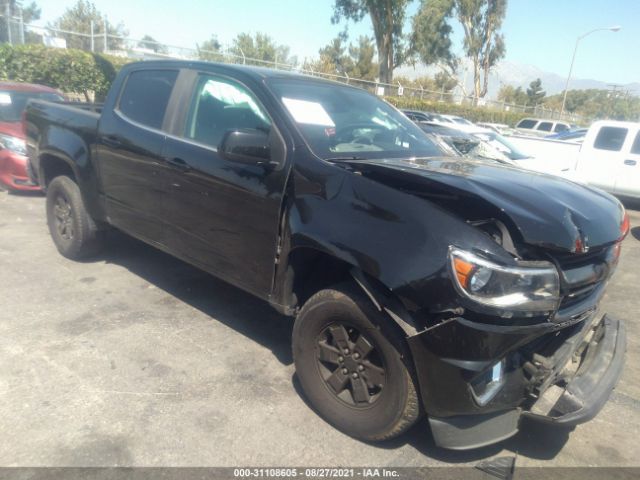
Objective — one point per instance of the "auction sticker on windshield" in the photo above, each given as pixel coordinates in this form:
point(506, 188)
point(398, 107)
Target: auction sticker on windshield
point(307, 112)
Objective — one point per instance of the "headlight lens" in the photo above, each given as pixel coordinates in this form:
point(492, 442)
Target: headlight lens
point(14, 144)
point(528, 287)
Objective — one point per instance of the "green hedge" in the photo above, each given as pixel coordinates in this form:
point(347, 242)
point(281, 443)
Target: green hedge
point(69, 70)
point(475, 114)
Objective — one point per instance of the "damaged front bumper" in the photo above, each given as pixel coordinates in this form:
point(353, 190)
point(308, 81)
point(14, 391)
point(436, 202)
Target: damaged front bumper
point(556, 376)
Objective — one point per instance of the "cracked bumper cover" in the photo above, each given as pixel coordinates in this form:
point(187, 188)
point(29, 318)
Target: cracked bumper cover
point(567, 399)
point(587, 392)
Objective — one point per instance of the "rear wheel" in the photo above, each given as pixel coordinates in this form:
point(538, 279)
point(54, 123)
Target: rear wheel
point(73, 231)
point(353, 365)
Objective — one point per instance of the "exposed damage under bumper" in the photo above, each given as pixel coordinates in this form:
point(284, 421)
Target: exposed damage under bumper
point(560, 377)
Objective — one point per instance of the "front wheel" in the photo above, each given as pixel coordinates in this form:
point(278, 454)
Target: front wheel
point(73, 231)
point(353, 365)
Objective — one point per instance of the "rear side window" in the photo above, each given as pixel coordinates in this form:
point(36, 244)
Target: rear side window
point(527, 123)
point(610, 138)
point(146, 94)
point(635, 148)
point(545, 126)
point(560, 127)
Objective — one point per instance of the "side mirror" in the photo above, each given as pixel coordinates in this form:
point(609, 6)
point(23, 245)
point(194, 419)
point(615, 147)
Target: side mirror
point(249, 146)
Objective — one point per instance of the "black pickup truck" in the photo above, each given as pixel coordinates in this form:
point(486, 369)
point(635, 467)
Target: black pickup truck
point(422, 284)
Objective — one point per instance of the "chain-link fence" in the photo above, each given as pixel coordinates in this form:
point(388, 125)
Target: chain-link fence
point(14, 30)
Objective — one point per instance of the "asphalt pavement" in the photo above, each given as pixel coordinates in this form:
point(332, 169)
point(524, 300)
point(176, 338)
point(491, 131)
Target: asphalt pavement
point(137, 359)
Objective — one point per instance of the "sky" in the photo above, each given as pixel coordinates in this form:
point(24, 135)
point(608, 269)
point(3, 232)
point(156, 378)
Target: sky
point(537, 32)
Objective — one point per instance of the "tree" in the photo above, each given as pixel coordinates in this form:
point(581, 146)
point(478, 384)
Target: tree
point(387, 18)
point(444, 83)
point(260, 49)
point(78, 19)
point(151, 43)
point(334, 58)
point(362, 57)
point(535, 93)
point(356, 61)
point(431, 37)
point(483, 44)
point(29, 13)
point(512, 95)
point(210, 50)
point(598, 103)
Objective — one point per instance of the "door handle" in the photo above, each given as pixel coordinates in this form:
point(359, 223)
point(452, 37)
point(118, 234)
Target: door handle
point(178, 164)
point(630, 162)
point(111, 141)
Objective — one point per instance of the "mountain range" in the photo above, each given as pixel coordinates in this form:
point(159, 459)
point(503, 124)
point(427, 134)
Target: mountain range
point(518, 75)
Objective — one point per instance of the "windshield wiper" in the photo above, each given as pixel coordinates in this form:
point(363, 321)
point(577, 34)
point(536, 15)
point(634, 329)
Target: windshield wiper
point(345, 158)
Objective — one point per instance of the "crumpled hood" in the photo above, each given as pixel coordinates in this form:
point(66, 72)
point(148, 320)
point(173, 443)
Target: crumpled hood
point(548, 211)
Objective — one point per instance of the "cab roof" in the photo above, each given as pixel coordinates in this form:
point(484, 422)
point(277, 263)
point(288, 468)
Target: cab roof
point(257, 73)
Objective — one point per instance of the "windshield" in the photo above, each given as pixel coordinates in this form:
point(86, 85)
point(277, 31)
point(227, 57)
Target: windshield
point(345, 122)
point(13, 103)
point(461, 121)
point(502, 144)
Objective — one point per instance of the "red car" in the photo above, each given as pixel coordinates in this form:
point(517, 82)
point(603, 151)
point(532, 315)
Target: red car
point(13, 159)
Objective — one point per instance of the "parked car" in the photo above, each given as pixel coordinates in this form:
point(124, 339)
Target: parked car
point(501, 128)
point(465, 144)
point(13, 161)
point(541, 127)
point(448, 120)
point(607, 158)
point(456, 287)
point(573, 135)
point(495, 146)
point(458, 120)
point(420, 116)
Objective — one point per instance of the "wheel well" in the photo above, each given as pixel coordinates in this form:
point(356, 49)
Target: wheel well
point(312, 270)
point(52, 167)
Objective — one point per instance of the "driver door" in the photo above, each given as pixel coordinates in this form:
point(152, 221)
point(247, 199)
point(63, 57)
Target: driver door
point(223, 215)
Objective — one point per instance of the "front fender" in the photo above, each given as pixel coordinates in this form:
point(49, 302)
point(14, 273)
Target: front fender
point(398, 239)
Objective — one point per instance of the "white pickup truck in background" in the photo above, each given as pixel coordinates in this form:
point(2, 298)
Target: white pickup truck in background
point(608, 158)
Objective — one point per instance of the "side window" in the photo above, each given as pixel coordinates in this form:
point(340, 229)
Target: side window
point(610, 138)
point(635, 148)
point(545, 126)
point(560, 127)
point(220, 105)
point(146, 94)
point(526, 123)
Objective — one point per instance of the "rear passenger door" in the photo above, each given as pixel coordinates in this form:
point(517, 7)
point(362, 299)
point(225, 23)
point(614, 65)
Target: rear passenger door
point(628, 179)
point(129, 152)
point(223, 215)
point(602, 155)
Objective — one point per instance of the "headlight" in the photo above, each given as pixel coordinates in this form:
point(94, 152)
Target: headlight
point(528, 287)
point(16, 145)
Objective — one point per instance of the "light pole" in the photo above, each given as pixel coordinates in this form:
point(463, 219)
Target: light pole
point(573, 59)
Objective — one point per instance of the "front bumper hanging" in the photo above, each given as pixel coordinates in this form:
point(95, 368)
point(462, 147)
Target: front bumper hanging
point(584, 395)
point(579, 381)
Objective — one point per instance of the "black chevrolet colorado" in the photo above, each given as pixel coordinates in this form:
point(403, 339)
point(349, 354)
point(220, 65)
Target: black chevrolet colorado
point(463, 290)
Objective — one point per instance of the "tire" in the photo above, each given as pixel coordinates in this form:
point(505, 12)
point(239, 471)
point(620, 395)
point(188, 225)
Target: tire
point(373, 405)
point(73, 231)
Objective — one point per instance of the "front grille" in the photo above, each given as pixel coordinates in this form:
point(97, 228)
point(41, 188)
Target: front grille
point(581, 274)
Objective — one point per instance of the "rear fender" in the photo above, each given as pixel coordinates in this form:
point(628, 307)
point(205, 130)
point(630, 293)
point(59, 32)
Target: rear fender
point(62, 145)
